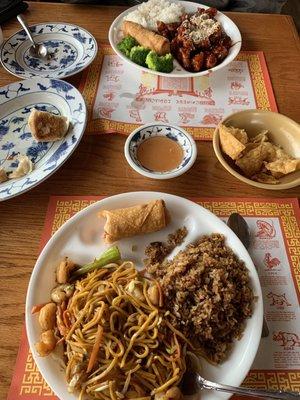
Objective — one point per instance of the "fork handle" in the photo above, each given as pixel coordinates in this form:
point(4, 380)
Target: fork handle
point(264, 394)
point(26, 29)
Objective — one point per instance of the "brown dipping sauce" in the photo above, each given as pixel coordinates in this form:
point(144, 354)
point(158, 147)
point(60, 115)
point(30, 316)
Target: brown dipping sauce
point(160, 154)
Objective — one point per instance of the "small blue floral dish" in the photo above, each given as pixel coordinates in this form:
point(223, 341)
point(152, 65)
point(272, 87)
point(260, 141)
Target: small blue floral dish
point(70, 48)
point(179, 135)
point(16, 102)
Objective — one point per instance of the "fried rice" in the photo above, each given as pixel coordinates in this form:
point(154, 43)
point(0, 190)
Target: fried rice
point(207, 290)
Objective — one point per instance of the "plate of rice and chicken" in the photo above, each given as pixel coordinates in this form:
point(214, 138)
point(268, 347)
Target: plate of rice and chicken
point(131, 289)
point(178, 39)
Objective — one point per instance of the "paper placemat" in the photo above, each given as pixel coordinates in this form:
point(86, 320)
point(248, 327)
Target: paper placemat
point(275, 250)
point(120, 97)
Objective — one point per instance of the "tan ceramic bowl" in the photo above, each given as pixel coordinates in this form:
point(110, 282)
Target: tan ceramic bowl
point(282, 131)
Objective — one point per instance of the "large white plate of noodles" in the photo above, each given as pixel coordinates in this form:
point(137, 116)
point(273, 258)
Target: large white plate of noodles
point(67, 241)
point(116, 35)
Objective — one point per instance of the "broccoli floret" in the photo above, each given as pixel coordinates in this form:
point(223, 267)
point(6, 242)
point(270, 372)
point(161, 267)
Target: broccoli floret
point(126, 45)
point(138, 55)
point(159, 63)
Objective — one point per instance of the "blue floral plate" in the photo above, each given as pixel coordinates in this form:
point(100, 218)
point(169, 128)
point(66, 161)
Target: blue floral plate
point(16, 102)
point(71, 49)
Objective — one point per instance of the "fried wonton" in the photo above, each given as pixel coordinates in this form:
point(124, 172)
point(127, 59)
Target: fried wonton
point(270, 150)
point(252, 161)
point(260, 137)
point(239, 134)
point(283, 166)
point(232, 140)
point(258, 158)
point(250, 146)
point(263, 177)
point(281, 154)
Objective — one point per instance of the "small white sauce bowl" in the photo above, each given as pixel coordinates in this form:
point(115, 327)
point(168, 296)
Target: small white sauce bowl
point(175, 133)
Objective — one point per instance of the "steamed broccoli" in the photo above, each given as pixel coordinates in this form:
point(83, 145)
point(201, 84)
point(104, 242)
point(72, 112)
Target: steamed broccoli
point(159, 63)
point(126, 45)
point(138, 55)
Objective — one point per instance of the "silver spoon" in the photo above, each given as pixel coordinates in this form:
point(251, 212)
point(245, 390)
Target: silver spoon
point(202, 383)
point(36, 50)
point(240, 227)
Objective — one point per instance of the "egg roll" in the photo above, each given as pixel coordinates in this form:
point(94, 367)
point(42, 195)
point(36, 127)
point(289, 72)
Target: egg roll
point(131, 221)
point(147, 38)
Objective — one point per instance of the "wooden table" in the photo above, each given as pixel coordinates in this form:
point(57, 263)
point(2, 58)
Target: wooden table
point(98, 166)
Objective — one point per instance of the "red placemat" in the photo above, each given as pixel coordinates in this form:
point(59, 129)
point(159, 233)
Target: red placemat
point(275, 250)
point(120, 97)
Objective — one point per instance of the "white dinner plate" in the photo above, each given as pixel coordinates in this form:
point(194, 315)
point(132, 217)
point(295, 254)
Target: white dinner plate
point(16, 102)
point(71, 47)
point(66, 242)
point(115, 36)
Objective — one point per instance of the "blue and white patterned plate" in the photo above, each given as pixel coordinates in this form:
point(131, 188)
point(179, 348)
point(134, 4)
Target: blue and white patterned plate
point(16, 102)
point(71, 48)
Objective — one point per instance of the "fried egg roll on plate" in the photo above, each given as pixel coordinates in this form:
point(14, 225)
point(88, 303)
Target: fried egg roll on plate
point(131, 221)
point(147, 38)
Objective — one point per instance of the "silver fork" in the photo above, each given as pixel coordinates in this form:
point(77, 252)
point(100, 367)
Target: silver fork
point(264, 394)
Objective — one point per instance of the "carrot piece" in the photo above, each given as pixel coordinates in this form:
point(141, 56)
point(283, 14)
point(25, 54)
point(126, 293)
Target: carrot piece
point(66, 318)
point(37, 308)
point(63, 330)
point(96, 347)
point(60, 341)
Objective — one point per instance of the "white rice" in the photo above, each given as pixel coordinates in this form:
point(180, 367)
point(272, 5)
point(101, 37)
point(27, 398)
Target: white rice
point(147, 14)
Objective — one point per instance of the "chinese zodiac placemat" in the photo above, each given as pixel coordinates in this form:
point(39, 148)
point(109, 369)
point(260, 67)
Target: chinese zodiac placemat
point(120, 97)
point(275, 250)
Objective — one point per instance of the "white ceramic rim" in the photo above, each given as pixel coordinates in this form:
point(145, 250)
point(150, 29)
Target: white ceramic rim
point(216, 221)
point(167, 175)
point(236, 174)
point(236, 46)
point(41, 76)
